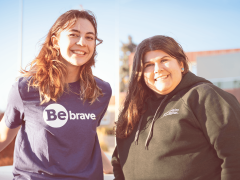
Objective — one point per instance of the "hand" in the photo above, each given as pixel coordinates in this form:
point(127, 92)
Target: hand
point(107, 166)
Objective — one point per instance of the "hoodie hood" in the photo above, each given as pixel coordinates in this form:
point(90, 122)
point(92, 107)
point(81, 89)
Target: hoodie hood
point(188, 81)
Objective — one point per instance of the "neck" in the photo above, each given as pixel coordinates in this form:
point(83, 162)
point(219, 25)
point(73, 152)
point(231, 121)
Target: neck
point(159, 95)
point(73, 74)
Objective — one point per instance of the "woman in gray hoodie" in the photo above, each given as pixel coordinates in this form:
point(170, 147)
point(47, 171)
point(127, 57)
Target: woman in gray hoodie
point(175, 125)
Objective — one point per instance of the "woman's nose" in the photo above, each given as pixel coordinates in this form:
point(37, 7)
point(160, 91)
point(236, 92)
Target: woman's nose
point(157, 67)
point(81, 42)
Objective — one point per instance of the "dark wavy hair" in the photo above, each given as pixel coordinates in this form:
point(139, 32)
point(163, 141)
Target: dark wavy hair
point(47, 72)
point(138, 92)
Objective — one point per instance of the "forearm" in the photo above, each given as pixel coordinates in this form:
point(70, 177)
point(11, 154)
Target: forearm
point(107, 167)
point(6, 134)
point(3, 143)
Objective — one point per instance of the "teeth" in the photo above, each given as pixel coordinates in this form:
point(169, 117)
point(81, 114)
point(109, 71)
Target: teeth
point(79, 52)
point(162, 77)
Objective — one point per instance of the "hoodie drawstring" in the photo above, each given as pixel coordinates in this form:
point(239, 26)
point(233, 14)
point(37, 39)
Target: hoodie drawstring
point(150, 132)
point(138, 129)
point(154, 119)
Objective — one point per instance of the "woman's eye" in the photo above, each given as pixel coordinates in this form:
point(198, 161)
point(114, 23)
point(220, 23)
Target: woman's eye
point(148, 65)
point(73, 35)
point(90, 38)
point(164, 60)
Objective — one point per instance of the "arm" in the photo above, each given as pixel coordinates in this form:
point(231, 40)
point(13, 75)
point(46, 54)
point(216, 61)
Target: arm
point(6, 134)
point(107, 167)
point(218, 114)
point(117, 169)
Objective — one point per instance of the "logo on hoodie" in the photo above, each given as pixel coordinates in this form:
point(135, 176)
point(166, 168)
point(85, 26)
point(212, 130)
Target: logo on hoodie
point(56, 115)
point(171, 112)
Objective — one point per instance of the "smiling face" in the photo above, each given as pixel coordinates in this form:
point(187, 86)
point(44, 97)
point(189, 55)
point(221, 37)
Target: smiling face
point(76, 43)
point(162, 73)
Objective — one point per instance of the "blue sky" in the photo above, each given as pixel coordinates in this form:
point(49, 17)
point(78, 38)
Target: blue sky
point(198, 25)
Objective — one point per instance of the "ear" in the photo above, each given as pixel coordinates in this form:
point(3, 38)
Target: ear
point(181, 66)
point(54, 40)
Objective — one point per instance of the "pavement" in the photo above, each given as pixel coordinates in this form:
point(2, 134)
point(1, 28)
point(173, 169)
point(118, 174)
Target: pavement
point(6, 173)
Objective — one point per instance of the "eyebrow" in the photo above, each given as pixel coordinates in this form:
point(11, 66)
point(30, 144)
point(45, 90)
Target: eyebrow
point(158, 59)
point(75, 30)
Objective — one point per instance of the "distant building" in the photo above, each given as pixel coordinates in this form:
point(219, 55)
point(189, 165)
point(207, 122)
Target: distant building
point(221, 67)
point(109, 117)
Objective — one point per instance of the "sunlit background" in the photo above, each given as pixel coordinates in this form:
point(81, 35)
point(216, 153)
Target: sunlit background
point(208, 30)
point(199, 25)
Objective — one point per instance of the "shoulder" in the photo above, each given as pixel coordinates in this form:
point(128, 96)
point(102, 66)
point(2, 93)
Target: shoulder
point(14, 94)
point(208, 89)
point(18, 86)
point(14, 103)
point(25, 90)
point(105, 86)
point(207, 93)
point(23, 82)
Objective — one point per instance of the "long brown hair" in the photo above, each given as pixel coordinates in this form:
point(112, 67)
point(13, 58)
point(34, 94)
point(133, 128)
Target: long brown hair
point(138, 92)
point(47, 72)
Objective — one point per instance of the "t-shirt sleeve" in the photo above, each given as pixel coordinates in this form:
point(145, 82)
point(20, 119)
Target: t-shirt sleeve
point(14, 112)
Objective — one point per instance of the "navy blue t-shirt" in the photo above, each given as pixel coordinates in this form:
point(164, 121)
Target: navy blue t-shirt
point(57, 140)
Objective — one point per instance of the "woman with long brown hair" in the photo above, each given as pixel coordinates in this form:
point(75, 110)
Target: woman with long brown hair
point(175, 125)
point(55, 107)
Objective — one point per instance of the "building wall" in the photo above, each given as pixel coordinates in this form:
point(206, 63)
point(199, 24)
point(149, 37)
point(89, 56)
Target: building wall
point(219, 66)
point(235, 92)
point(223, 70)
point(193, 55)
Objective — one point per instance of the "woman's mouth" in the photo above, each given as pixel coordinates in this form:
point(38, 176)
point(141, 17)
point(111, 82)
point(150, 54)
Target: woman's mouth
point(79, 52)
point(159, 78)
